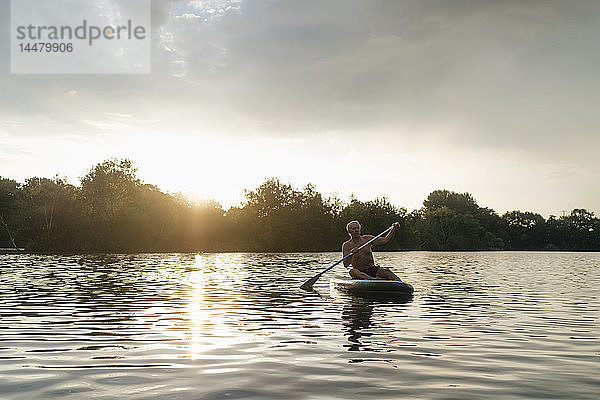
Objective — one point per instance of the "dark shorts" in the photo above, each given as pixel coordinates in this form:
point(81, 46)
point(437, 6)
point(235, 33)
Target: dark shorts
point(371, 271)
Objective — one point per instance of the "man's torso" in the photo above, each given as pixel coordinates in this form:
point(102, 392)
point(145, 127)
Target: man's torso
point(364, 258)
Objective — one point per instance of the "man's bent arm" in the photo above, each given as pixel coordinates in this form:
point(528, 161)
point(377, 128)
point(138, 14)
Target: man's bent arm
point(345, 251)
point(387, 238)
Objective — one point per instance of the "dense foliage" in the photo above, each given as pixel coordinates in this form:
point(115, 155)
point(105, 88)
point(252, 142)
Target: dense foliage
point(113, 210)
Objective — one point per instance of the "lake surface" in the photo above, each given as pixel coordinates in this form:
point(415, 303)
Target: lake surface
point(236, 326)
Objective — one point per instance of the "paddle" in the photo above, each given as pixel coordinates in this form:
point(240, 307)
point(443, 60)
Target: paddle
point(309, 283)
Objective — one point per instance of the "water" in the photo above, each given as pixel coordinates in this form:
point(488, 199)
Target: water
point(236, 326)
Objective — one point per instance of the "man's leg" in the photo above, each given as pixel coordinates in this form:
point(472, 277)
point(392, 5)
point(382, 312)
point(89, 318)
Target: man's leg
point(356, 274)
point(385, 273)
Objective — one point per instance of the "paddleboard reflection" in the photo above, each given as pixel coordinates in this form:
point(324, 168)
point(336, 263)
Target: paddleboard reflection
point(361, 318)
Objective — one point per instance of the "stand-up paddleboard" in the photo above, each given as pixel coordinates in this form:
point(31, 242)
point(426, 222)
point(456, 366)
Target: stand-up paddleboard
point(372, 287)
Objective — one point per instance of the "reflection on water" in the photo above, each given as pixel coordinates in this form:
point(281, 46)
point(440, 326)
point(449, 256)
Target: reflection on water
point(357, 315)
point(358, 321)
point(222, 326)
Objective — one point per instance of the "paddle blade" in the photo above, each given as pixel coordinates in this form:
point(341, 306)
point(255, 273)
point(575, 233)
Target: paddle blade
point(308, 285)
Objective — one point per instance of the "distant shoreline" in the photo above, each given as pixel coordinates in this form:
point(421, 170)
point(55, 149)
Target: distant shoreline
point(113, 211)
point(100, 254)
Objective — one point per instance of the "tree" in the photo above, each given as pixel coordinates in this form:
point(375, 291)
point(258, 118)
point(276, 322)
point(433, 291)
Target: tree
point(278, 217)
point(108, 188)
point(205, 226)
point(374, 217)
point(43, 195)
point(146, 221)
point(578, 231)
point(108, 194)
point(450, 221)
point(443, 228)
point(527, 230)
point(315, 220)
point(493, 233)
point(9, 209)
point(271, 210)
point(460, 203)
point(112, 210)
point(52, 217)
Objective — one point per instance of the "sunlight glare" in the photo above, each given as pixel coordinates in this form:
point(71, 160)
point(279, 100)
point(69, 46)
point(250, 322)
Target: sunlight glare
point(207, 316)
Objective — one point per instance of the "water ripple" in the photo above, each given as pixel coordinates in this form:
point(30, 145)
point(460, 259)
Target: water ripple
point(226, 326)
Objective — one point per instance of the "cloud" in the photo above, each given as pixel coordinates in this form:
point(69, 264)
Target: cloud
point(507, 74)
point(460, 82)
point(513, 75)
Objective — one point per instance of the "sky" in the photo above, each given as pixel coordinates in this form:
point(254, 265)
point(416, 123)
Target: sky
point(379, 98)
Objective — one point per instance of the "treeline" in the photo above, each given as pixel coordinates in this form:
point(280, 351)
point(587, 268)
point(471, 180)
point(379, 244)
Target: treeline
point(113, 210)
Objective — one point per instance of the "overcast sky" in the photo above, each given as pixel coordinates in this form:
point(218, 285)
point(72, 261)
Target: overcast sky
point(398, 98)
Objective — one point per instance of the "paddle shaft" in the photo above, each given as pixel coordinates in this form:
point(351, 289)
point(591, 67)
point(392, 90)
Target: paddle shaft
point(308, 284)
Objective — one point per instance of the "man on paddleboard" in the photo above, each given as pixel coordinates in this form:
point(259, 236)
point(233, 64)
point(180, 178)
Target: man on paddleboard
point(362, 263)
